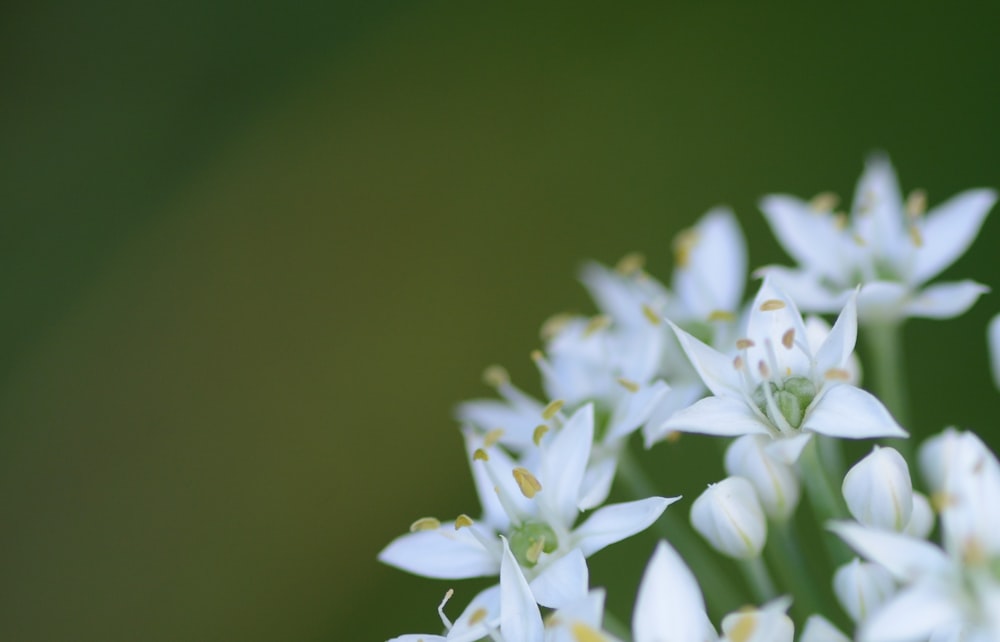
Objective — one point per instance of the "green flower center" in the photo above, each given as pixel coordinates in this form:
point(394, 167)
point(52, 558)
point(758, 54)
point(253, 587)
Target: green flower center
point(529, 540)
point(791, 397)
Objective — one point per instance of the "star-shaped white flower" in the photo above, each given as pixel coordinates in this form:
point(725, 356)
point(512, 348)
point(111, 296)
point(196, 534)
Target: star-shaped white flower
point(780, 385)
point(888, 246)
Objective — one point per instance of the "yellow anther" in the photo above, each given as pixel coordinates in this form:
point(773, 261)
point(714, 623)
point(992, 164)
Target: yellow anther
point(596, 324)
point(973, 552)
point(673, 436)
point(583, 633)
point(630, 264)
point(738, 363)
point(837, 374)
point(840, 221)
point(537, 355)
point(743, 344)
point(859, 240)
point(941, 501)
point(540, 431)
point(425, 524)
point(788, 339)
point(527, 482)
point(480, 454)
point(535, 550)
point(496, 376)
point(916, 236)
point(745, 626)
point(552, 619)
point(462, 521)
point(824, 202)
point(764, 370)
point(491, 438)
point(916, 203)
point(554, 325)
point(550, 410)
point(721, 315)
point(628, 384)
point(651, 315)
point(478, 616)
point(684, 244)
point(772, 304)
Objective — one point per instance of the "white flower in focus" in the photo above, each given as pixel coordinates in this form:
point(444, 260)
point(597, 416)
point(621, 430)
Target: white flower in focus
point(888, 246)
point(779, 385)
point(775, 482)
point(878, 490)
point(861, 587)
point(729, 516)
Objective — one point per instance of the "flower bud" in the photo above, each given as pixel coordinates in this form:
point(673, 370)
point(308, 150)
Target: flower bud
point(922, 518)
point(878, 490)
point(775, 482)
point(947, 452)
point(766, 624)
point(861, 587)
point(729, 516)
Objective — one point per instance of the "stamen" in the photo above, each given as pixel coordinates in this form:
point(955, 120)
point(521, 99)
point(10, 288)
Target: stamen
point(535, 550)
point(788, 339)
point(425, 524)
point(837, 374)
point(651, 315)
point(462, 521)
point(824, 202)
point(528, 483)
point(491, 438)
point(721, 315)
point(536, 355)
point(743, 344)
point(550, 410)
point(684, 244)
point(495, 376)
point(444, 618)
point(554, 325)
point(583, 633)
point(774, 413)
point(628, 384)
point(764, 370)
point(630, 264)
point(916, 203)
point(596, 324)
point(673, 436)
point(941, 501)
point(480, 455)
point(738, 363)
point(772, 304)
point(540, 431)
point(915, 236)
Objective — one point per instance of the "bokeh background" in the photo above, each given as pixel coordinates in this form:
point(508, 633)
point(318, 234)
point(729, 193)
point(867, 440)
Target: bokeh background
point(251, 255)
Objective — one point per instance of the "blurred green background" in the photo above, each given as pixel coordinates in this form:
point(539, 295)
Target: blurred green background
point(251, 255)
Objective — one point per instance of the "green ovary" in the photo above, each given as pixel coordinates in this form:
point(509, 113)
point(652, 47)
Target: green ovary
point(791, 396)
point(524, 542)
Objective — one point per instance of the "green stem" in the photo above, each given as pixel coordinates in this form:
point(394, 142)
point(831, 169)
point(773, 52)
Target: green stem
point(884, 345)
point(718, 588)
point(759, 579)
point(825, 498)
point(786, 558)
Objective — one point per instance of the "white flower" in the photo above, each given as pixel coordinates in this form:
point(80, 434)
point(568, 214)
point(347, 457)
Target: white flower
point(729, 516)
point(670, 608)
point(536, 510)
point(775, 482)
point(781, 386)
point(861, 587)
point(889, 247)
point(878, 490)
point(819, 629)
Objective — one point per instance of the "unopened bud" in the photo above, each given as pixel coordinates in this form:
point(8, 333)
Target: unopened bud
point(922, 518)
point(878, 490)
point(861, 587)
point(776, 483)
point(729, 516)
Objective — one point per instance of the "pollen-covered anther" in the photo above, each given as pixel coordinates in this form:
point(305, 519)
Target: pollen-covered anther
point(788, 339)
point(651, 315)
point(628, 384)
point(744, 628)
point(550, 410)
point(554, 325)
point(837, 374)
point(535, 550)
point(478, 616)
point(916, 203)
point(673, 436)
point(763, 369)
point(596, 324)
point(859, 240)
point(743, 344)
point(584, 633)
point(540, 431)
point(771, 305)
point(824, 202)
point(491, 438)
point(425, 524)
point(480, 455)
point(738, 363)
point(527, 482)
point(721, 315)
point(462, 521)
point(684, 244)
point(536, 355)
point(496, 376)
point(942, 501)
point(630, 264)
point(915, 236)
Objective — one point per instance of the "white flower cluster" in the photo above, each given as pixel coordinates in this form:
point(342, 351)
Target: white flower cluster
point(694, 357)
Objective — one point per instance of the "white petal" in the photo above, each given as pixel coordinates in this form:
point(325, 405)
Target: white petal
point(768, 323)
point(861, 587)
point(880, 301)
point(905, 557)
point(993, 340)
point(922, 519)
point(634, 409)
point(564, 463)
point(913, 614)
point(720, 416)
point(562, 582)
point(851, 413)
point(775, 482)
point(812, 238)
point(679, 397)
point(443, 553)
point(563, 625)
point(669, 606)
point(817, 331)
point(419, 637)
point(945, 300)
point(878, 209)
point(597, 482)
point(520, 618)
point(729, 516)
point(836, 350)
point(788, 449)
point(808, 289)
point(713, 277)
point(715, 368)
point(878, 490)
point(488, 414)
point(472, 624)
point(948, 231)
point(819, 629)
point(615, 522)
point(767, 624)
point(501, 463)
